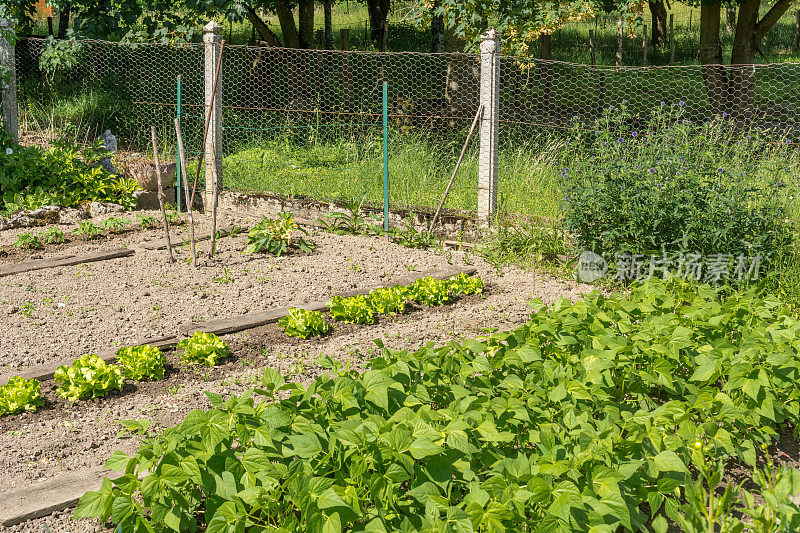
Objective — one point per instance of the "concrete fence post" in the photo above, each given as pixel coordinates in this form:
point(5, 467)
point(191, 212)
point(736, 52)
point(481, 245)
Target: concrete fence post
point(489, 128)
point(9, 88)
point(212, 38)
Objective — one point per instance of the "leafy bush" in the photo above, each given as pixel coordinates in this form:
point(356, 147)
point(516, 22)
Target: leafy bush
point(27, 241)
point(141, 362)
point(204, 348)
point(52, 236)
point(388, 300)
point(465, 285)
point(355, 310)
point(20, 394)
point(63, 174)
point(430, 291)
point(304, 324)
point(88, 377)
point(59, 56)
point(275, 236)
point(595, 414)
point(87, 230)
point(640, 194)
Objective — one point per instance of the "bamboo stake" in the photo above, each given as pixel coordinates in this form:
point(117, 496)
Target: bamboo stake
point(214, 203)
point(161, 196)
point(458, 165)
point(208, 121)
point(189, 205)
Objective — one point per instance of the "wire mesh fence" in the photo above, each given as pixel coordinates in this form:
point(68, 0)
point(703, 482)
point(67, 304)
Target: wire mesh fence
point(309, 123)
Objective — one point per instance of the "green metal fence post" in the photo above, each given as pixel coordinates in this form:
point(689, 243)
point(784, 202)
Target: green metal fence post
point(385, 156)
point(178, 186)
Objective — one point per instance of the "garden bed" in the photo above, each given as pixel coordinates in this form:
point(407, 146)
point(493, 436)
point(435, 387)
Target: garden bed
point(66, 437)
point(58, 314)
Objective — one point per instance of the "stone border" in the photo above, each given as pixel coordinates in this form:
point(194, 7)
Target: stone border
point(63, 492)
point(29, 266)
point(230, 325)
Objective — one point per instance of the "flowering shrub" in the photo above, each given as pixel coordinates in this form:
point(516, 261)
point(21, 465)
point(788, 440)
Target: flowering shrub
point(671, 186)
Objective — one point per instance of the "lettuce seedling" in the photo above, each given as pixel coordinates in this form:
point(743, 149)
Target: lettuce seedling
point(20, 394)
point(430, 291)
point(464, 285)
point(388, 300)
point(354, 310)
point(303, 324)
point(141, 362)
point(88, 377)
point(204, 348)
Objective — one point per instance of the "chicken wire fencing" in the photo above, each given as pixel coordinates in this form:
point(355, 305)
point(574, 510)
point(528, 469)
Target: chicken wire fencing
point(310, 123)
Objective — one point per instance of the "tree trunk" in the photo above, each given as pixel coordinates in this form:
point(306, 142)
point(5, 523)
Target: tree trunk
point(715, 76)
point(437, 29)
point(263, 30)
point(545, 70)
point(286, 19)
point(378, 13)
point(659, 23)
point(306, 23)
point(328, 24)
point(730, 20)
point(63, 21)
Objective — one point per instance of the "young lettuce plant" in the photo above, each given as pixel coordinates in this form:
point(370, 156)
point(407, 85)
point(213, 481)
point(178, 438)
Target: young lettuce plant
point(88, 377)
point(430, 291)
point(388, 300)
point(465, 285)
point(20, 394)
point(354, 310)
point(204, 348)
point(304, 324)
point(141, 362)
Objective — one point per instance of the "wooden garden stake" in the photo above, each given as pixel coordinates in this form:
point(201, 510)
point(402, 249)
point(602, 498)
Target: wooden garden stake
point(620, 34)
point(455, 170)
point(161, 196)
point(671, 41)
point(214, 203)
point(644, 45)
point(189, 205)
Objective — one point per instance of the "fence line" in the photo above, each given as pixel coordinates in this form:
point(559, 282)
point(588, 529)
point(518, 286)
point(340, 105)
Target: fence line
point(302, 122)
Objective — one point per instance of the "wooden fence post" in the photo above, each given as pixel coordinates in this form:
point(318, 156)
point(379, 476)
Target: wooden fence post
point(619, 42)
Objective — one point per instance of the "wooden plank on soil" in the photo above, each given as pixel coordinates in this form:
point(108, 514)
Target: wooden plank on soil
point(225, 326)
point(228, 325)
point(48, 496)
point(28, 266)
point(46, 371)
point(161, 244)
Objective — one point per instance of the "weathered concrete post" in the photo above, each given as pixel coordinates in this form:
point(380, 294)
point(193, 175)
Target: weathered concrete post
point(489, 129)
point(212, 37)
point(9, 88)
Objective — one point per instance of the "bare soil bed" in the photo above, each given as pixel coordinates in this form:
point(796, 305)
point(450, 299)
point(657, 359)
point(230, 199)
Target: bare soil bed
point(114, 302)
point(59, 314)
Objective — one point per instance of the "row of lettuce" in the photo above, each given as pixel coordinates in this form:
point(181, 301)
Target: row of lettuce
point(91, 377)
point(610, 414)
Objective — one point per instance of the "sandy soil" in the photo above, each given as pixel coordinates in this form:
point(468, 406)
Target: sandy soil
point(58, 314)
point(74, 310)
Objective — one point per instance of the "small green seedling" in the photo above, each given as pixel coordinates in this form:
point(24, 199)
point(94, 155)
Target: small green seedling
point(88, 377)
point(87, 230)
point(52, 236)
point(20, 394)
point(141, 362)
point(204, 348)
point(28, 241)
point(304, 324)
